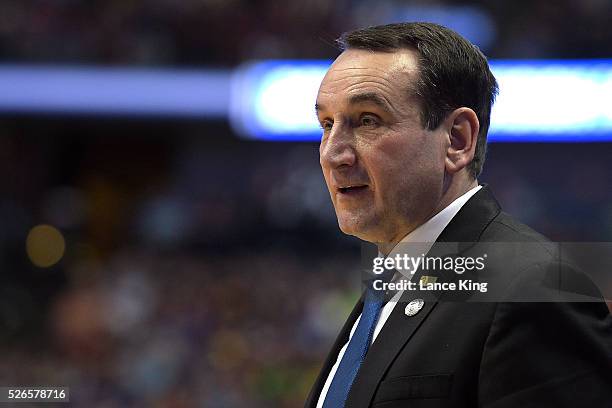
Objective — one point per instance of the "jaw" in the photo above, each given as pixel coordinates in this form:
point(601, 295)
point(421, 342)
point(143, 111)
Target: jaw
point(364, 224)
point(356, 222)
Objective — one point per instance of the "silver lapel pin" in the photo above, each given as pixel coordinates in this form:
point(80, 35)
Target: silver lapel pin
point(414, 306)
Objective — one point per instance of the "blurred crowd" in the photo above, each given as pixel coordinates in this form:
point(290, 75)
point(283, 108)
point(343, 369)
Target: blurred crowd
point(179, 286)
point(204, 271)
point(227, 32)
point(147, 328)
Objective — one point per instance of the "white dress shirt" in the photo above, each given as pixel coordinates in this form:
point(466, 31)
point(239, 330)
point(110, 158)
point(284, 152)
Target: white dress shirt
point(426, 234)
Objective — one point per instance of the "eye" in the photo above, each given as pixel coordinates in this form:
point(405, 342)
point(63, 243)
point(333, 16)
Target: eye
point(369, 120)
point(327, 125)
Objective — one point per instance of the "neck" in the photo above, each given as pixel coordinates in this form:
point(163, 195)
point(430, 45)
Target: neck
point(450, 193)
point(453, 192)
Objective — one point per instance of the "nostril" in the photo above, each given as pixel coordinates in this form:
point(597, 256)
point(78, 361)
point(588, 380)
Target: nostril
point(339, 158)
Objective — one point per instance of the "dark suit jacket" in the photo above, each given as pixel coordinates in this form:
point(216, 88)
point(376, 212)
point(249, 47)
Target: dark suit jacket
point(485, 354)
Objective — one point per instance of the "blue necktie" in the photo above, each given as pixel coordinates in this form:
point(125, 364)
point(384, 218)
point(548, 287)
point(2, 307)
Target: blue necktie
point(355, 351)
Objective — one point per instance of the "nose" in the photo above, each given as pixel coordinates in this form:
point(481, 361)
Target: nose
point(337, 149)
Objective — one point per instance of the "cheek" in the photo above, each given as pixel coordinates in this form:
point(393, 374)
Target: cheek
point(408, 165)
point(392, 162)
point(326, 176)
point(332, 196)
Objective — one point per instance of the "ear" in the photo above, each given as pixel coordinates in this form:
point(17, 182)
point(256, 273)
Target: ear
point(463, 127)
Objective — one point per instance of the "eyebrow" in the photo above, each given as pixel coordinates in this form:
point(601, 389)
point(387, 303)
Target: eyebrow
point(371, 97)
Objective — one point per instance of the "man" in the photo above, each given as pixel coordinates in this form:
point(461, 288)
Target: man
point(405, 112)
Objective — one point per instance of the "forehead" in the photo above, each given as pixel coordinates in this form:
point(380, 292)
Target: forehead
point(355, 71)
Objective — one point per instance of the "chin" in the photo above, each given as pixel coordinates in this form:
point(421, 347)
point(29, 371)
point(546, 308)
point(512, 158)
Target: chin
point(357, 228)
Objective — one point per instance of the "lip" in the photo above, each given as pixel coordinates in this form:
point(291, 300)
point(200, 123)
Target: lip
point(350, 190)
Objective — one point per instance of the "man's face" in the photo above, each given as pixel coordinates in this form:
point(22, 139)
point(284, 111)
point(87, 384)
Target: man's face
point(384, 172)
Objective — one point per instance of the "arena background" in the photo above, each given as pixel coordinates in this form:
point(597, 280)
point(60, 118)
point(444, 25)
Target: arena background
point(196, 269)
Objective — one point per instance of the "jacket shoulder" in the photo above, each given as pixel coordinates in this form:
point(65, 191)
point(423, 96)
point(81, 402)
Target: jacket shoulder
point(505, 228)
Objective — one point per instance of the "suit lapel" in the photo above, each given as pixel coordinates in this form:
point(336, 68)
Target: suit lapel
point(466, 226)
point(473, 218)
point(398, 329)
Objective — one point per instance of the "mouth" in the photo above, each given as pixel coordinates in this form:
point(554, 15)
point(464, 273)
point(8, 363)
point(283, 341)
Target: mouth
point(352, 190)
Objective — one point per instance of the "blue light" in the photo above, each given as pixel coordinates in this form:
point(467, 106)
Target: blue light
point(114, 91)
point(556, 101)
point(539, 101)
point(274, 100)
point(553, 100)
